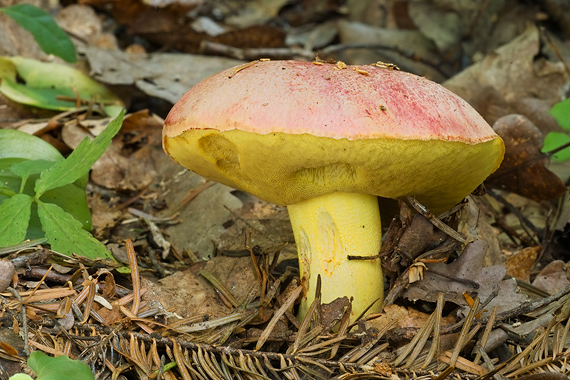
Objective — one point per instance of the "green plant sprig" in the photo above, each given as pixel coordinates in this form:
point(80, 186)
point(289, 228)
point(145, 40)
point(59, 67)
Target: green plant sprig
point(49, 36)
point(64, 233)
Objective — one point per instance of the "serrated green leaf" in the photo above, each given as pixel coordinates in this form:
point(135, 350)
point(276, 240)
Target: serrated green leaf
point(79, 161)
point(561, 112)
point(50, 85)
point(66, 236)
point(72, 198)
point(49, 36)
point(57, 368)
point(554, 140)
point(14, 219)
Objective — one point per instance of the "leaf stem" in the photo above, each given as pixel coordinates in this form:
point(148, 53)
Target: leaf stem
point(6, 191)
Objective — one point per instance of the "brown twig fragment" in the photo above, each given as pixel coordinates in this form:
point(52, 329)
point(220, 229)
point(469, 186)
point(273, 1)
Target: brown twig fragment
point(435, 221)
point(133, 264)
point(271, 325)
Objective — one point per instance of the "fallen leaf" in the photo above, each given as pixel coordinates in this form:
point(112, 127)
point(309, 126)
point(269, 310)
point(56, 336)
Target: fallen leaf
point(51, 85)
point(266, 224)
point(552, 277)
point(186, 293)
point(79, 20)
point(512, 72)
point(16, 41)
point(255, 12)
point(440, 24)
point(165, 76)
point(390, 43)
point(118, 168)
point(395, 316)
point(476, 223)
point(523, 169)
point(102, 214)
point(237, 274)
point(467, 267)
point(520, 264)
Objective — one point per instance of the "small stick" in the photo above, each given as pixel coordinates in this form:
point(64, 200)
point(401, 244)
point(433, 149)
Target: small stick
point(24, 320)
point(435, 221)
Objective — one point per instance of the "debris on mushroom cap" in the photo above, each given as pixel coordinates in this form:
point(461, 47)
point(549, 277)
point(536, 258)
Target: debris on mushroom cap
point(312, 129)
point(340, 65)
point(359, 71)
point(384, 65)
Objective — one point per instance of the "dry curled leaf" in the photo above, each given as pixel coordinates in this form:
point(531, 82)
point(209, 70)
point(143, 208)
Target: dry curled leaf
point(552, 277)
point(467, 275)
point(523, 169)
point(520, 264)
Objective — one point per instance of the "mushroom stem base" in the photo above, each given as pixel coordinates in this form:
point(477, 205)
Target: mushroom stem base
point(327, 230)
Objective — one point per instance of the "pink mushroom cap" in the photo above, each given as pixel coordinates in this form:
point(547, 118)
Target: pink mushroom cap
point(287, 131)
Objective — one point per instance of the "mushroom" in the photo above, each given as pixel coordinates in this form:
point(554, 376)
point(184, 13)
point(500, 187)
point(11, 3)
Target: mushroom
point(326, 141)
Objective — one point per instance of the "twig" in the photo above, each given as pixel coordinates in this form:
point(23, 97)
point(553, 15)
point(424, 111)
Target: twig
point(516, 211)
point(435, 221)
point(271, 325)
point(133, 264)
point(524, 308)
point(208, 47)
point(465, 281)
point(24, 334)
point(18, 247)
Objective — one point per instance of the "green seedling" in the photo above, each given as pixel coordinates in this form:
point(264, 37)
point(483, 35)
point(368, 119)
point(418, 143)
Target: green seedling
point(55, 368)
point(46, 197)
point(556, 140)
point(48, 85)
point(49, 36)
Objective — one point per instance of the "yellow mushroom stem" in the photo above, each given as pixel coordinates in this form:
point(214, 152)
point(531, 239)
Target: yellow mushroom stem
point(327, 230)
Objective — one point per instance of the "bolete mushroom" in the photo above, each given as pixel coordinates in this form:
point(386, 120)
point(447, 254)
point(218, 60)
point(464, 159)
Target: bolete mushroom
point(325, 140)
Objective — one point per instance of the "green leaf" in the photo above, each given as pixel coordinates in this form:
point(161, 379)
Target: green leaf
point(18, 144)
point(554, 140)
point(25, 169)
point(561, 112)
point(51, 38)
point(17, 147)
point(21, 376)
point(14, 219)
point(66, 236)
point(50, 85)
point(61, 367)
point(80, 161)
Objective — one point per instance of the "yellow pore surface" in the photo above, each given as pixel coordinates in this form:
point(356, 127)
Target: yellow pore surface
point(286, 168)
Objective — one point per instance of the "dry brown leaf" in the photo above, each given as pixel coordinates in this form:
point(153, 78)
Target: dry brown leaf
point(267, 224)
point(395, 316)
point(392, 41)
point(127, 164)
point(190, 294)
point(165, 76)
point(186, 293)
point(520, 264)
point(552, 277)
point(512, 72)
point(467, 267)
point(523, 169)
point(237, 274)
